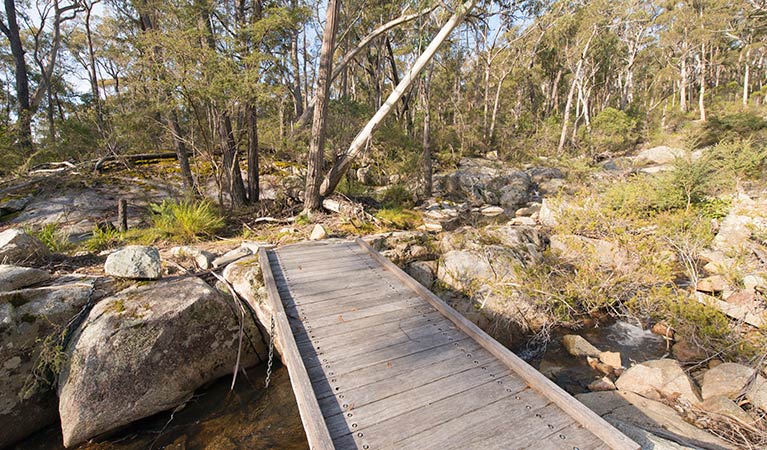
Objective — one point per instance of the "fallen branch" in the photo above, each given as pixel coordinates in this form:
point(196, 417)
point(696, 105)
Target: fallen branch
point(144, 157)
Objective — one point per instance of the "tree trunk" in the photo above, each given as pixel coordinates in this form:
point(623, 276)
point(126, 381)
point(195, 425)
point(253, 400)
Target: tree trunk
point(746, 80)
point(312, 201)
point(426, 166)
point(24, 123)
point(181, 153)
point(363, 44)
point(253, 190)
point(702, 92)
point(232, 174)
point(342, 164)
point(683, 84)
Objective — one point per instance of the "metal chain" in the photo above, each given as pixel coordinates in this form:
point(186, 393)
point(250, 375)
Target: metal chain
point(271, 354)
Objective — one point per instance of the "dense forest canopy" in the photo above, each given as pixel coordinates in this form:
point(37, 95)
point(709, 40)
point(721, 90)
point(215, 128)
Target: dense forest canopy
point(224, 84)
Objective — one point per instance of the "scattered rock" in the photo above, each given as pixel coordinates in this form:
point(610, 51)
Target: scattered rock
point(430, 227)
point(578, 346)
point(755, 283)
point(712, 284)
point(232, 256)
point(756, 392)
point(753, 314)
point(201, 258)
point(660, 155)
point(728, 379)
point(547, 216)
point(659, 378)
point(734, 233)
point(481, 182)
point(623, 407)
point(318, 233)
point(491, 211)
point(528, 211)
point(663, 329)
point(17, 247)
point(612, 359)
point(14, 205)
point(422, 272)
point(523, 221)
point(15, 277)
point(541, 174)
point(723, 406)
point(687, 352)
point(601, 367)
point(146, 350)
point(602, 384)
point(134, 261)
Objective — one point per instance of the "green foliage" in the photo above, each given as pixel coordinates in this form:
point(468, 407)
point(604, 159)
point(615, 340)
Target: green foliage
point(181, 221)
point(715, 208)
point(103, 238)
point(613, 130)
point(699, 323)
point(403, 219)
point(717, 129)
point(50, 235)
point(397, 197)
point(738, 159)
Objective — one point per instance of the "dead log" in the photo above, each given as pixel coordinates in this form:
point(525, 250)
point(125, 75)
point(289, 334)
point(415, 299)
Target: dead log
point(143, 158)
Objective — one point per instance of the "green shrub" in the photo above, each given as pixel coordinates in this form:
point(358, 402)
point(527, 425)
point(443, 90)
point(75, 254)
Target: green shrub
point(103, 239)
point(738, 159)
point(49, 234)
point(613, 130)
point(182, 221)
point(743, 124)
point(397, 197)
point(715, 208)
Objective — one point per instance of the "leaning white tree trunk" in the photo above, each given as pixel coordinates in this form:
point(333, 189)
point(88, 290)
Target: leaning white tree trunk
point(358, 144)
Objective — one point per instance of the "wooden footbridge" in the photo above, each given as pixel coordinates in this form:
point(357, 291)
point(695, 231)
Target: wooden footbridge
point(379, 362)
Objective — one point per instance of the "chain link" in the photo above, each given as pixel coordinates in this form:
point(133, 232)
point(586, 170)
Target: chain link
point(271, 354)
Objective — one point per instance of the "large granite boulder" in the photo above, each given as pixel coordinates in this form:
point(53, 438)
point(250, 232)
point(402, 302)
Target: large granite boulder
point(482, 182)
point(15, 277)
point(17, 247)
point(134, 261)
point(27, 318)
point(145, 350)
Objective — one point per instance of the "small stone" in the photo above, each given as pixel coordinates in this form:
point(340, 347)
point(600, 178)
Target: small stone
point(743, 298)
point(578, 346)
point(201, 258)
point(602, 384)
point(492, 156)
point(318, 233)
point(712, 284)
point(430, 227)
point(422, 272)
point(726, 379)
point(756, 393)
point(663, 329)
point(255, 246)
point(491, 211)
point(754, 283)
point(523, 221)
point(686, 351)
point(612, 359)
point(723, 406)
point(134, 261)
point(528, 211)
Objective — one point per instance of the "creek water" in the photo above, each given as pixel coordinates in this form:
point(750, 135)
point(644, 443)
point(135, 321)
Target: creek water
point(253, 418)
point(249, 417)
point(573, 373)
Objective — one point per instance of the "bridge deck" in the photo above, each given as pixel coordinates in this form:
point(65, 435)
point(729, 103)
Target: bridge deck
point(379, 362)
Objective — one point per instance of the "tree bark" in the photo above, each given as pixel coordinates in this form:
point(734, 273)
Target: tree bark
point(426, 166)
point(746, 78)
point(343, 163)
point(312, 200)
point(24, 110)
point(181, 153)
point(253, 190)
point(702, 92)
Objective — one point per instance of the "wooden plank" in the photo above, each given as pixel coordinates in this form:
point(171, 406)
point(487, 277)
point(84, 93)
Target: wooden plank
point(361, 324)
point(311, 276)
point(377, 331)
point(346, 363)
point(394, 367)
point(326, 264)
point(529, 428)
point(361, 313)
point(590, 420)
point(403, 426)
point(321, 290)
point(373, 413)
point(409, 380)
point(332, 348)
point(574, 436)
point(344, 304)
point(316, 429)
